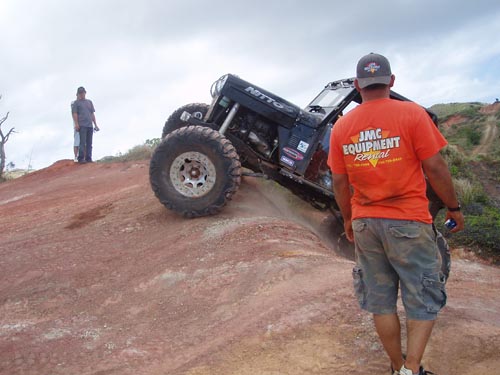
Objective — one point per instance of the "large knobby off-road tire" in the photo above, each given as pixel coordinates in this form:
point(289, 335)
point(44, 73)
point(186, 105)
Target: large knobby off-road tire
point(194, 171)
point(174, 122)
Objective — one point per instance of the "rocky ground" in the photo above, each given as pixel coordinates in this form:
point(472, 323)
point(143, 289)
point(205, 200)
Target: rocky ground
point(97, 277)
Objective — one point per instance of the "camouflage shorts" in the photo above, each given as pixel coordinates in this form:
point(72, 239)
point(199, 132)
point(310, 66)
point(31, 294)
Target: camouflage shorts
point(393, 253)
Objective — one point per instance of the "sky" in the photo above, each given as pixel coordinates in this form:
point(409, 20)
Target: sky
point(141, 60)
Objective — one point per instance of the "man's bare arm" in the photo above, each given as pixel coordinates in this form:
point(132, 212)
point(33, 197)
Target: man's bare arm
point(95, 122)
point(439, 177)
point(342, 191)
point(75, 120)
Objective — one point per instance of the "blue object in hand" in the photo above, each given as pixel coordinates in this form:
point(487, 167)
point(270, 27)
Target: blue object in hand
point(450, 224)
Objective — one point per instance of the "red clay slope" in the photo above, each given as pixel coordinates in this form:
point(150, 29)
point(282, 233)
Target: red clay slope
point(96, 277)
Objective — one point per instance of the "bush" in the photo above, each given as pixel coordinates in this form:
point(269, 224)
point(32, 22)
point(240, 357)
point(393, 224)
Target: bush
point(140, 152)
point(481, 233)
point(473, 136)
point(152, 142)
point(453, 157)
point(471, 111)
point(457, 162)
point(469, 192)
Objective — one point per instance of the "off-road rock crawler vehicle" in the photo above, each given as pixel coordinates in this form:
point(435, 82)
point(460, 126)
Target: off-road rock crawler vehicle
point(197, 167)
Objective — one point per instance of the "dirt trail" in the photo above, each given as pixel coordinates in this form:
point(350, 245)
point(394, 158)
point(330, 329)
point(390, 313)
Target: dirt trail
point(96, 277)
point(489, 137)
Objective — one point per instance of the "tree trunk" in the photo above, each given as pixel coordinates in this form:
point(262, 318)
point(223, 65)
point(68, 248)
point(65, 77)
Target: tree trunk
point(2, 157)
point(3, 141)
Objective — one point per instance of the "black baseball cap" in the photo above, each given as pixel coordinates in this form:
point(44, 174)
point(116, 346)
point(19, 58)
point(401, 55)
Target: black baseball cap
point(372, 69)
point(80, 90)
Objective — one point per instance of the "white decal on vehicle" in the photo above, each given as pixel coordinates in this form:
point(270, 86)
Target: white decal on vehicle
point(303, 146)
point(287, 161)
point(264, 97)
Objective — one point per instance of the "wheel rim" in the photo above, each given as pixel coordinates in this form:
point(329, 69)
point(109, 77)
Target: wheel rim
point(193, 174)
point(198, 114)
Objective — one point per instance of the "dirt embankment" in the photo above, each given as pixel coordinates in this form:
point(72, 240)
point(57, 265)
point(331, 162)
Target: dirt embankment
point(491, 109)
point(96, 277)
point(489, 137)
point(453, 120)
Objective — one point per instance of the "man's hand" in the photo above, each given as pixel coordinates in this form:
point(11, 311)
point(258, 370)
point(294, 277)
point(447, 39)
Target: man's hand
point(96, 128)
point(77, 127)
point(459, 219)
point(348, 230)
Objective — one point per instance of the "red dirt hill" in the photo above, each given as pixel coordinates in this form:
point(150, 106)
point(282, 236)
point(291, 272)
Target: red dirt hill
point(490, 109)
point(98, 278)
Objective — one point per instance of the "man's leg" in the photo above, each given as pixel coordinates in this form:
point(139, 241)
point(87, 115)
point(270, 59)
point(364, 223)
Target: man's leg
point(88, 154)
point(389, 331)
point(81, 148)
point(376, 285)
point(423, 292)
point(419, 332)
point(76, 143)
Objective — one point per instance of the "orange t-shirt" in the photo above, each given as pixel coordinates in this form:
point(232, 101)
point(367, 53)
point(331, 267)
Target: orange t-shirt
point(380, 146)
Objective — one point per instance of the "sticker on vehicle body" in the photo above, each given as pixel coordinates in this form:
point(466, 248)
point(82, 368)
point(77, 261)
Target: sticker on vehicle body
point(287, 161)
point(303, 146)
point(294, 154)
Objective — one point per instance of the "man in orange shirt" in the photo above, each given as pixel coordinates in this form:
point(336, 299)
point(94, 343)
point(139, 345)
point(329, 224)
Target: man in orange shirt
point(378, 155)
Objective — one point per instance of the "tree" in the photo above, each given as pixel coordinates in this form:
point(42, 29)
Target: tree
point(3, 141)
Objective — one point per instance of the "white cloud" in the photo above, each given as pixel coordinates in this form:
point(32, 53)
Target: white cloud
point(141, 60)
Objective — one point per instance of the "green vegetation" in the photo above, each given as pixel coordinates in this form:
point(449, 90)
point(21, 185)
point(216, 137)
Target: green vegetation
point(457, 161)
point(463, 125)
point(445, 111)
point(468, 128)
point(482, 230)
point(470, 192)
point(140, 152)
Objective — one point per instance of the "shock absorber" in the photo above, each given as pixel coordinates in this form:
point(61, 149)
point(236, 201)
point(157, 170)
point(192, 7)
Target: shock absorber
point(229, 118)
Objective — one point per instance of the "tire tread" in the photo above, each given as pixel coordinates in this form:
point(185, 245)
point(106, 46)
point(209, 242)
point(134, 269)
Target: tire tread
point(222, 147)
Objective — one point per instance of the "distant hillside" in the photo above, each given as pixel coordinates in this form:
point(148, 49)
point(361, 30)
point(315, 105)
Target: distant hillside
point(472, 127)
point(446, 110)
point(472, 130)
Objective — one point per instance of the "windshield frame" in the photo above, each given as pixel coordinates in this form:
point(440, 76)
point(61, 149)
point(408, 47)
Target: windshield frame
point(329, 98)
point(341, 92)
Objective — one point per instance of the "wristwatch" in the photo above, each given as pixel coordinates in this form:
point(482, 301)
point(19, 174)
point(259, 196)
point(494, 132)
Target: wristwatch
point(454, 209)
